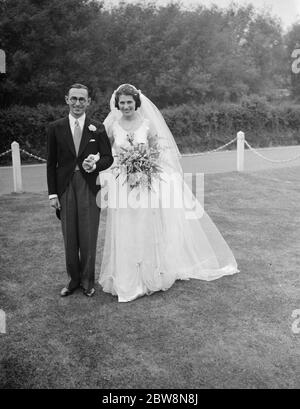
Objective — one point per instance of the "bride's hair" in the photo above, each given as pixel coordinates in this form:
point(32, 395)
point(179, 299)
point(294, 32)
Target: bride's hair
point(127, 89)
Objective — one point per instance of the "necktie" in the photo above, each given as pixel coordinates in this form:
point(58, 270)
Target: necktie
point(77, 136)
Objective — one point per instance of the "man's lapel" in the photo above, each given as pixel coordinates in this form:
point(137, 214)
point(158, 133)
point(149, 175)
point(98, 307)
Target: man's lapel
point(85, 136)
point(68, 135)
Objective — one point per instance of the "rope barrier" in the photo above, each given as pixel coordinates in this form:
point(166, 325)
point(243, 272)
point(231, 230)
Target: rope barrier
point(186, 154)
point(268, 159)
point(33, 156)
point(5, 153)
point(214, 150)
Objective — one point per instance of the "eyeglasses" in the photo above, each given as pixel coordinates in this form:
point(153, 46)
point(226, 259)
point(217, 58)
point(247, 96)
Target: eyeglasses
point(81, 100)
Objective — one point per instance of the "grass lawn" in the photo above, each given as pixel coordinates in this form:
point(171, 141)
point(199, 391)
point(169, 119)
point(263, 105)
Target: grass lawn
point(235, 332)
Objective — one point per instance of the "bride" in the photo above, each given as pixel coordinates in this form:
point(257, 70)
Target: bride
point(148, 247)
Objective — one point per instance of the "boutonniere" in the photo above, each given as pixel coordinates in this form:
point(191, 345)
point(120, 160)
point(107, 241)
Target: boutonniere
point(92, 128)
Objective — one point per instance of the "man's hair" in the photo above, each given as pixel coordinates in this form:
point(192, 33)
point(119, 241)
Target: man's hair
point(78, 86)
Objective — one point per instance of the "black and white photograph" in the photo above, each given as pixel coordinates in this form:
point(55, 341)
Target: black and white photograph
point(149, 197)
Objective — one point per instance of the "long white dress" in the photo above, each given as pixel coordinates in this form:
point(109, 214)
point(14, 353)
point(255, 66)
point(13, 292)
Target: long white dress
point(147, 249)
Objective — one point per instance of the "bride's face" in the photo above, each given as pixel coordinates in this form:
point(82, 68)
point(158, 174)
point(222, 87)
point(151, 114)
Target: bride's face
point(127, 105)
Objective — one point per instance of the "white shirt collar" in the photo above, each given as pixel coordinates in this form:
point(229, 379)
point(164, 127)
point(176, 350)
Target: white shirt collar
point(81, 120)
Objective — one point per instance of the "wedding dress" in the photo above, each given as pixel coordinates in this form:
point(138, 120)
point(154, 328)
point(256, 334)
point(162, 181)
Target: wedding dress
point(147, 248)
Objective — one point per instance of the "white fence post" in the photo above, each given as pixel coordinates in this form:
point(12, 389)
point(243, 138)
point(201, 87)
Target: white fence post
point(2, 62)
point(240, 148)
point(16, 162)
point(2, 322)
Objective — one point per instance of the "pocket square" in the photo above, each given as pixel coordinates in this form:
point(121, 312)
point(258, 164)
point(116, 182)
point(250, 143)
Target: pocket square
point(92, 140)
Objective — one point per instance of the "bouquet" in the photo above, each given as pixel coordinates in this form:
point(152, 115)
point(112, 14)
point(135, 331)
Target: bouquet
point(140, 167)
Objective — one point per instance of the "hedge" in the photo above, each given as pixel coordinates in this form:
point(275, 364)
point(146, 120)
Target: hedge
point(195, 127)
point(203, 127)
point(27, 126)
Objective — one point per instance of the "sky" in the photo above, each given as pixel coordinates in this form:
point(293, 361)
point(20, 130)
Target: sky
point(287, 10)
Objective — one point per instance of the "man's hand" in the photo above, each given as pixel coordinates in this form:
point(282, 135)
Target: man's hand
point(89, 165)
point(55, 203)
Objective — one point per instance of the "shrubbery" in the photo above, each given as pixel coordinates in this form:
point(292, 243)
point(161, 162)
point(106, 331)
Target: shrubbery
point(27, 126)
point(204, 127)
point(195, 127)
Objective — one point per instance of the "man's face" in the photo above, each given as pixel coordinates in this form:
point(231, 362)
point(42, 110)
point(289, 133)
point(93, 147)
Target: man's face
point(78, 101)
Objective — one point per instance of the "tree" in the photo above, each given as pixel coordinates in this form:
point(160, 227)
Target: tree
point(174, 55)
point(47, 46)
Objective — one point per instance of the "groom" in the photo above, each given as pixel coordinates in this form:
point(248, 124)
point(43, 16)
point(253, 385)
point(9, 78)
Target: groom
point(78, 149)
